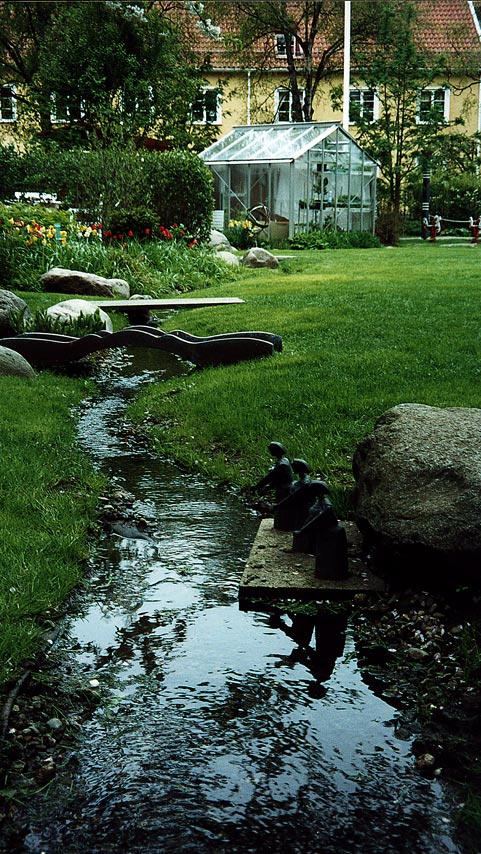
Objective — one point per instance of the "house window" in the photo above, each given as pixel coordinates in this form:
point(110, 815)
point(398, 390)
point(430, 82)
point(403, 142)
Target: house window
point(139, 103)
point(8, 104)
point(281, 45)
point(65, 109)
point(207, 108)
point(433, 105)
point(283, 104)
point(363, 103)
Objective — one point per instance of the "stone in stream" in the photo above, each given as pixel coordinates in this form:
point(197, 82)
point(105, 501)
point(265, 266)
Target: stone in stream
point(129, 531)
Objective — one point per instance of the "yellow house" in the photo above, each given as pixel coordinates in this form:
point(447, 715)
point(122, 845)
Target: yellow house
point(237, 94)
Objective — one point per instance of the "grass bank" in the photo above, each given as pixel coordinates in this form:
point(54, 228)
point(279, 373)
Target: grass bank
point(362, 331)
point(49, 495)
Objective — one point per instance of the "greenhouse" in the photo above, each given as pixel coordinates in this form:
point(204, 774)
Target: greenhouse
point(306, 175)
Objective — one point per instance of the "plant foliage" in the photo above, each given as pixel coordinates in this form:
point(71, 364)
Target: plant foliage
point(40, 321)
point(326, 238)
point(97, 72)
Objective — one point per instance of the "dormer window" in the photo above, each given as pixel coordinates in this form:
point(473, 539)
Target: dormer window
point(281, 45)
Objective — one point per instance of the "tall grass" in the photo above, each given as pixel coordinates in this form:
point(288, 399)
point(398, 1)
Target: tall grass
point(362, 331)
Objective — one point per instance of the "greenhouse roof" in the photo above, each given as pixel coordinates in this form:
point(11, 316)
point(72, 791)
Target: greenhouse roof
point(271, 143)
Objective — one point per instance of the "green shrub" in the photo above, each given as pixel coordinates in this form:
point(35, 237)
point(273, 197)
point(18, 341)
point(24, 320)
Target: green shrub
point(326, 238)
point(455, 197)
point(10, 171)
point(28, 214)
point(182, 191)
point(120, 186)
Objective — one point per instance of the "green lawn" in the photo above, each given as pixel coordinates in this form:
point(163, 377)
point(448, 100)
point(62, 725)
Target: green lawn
point(48, 501)
point(363, 330)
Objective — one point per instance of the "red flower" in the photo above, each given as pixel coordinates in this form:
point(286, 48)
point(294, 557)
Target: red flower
point(147, 231)
point(130, 233)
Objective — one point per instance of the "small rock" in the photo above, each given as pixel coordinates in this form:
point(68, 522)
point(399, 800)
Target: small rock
point(54, 723)
point(417, 654)
point(425, 763)
point(46, 772)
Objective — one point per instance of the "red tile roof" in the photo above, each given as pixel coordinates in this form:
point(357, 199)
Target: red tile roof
point(445, 26)
point(448, 25)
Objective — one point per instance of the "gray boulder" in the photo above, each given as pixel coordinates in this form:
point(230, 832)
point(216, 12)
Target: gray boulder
point(12, 364)
point(258, 257)
point(71, 309)
point(418, 491)
point(218, 240)
point(228, 258)
point(10, 304)
point(62, 281)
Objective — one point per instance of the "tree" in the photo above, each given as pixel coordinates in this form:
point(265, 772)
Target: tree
point(108, 70)
point(408, 134)
point(310, 34)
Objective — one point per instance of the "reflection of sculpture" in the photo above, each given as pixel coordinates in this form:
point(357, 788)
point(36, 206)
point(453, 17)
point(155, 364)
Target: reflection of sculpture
point(279, 478)
point(329, 638)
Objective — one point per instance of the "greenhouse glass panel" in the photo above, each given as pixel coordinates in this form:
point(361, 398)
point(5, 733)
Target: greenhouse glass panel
point(307, 174)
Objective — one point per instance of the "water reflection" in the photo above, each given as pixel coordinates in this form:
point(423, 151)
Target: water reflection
point(221, 730)
point(319, 640)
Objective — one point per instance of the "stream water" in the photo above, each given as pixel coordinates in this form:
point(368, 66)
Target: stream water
point(217, 731)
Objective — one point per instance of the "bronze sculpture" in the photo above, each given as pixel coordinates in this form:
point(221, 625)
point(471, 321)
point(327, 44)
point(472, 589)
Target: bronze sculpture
point(304, 507)
point(279, 478)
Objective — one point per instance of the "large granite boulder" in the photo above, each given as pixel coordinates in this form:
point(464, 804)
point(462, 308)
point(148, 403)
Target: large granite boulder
point(12, 364)
point(418, 491)
point(258, 257)
point(218, 241)
point(228, 258)
point(10, 304)
point(61, 281)
point(71, 309)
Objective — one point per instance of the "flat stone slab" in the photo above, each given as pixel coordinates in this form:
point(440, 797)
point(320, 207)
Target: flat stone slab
point(150, 304)
point(274, 571)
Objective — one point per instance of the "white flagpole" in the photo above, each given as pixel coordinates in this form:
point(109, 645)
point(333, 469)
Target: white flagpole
point(347, 64)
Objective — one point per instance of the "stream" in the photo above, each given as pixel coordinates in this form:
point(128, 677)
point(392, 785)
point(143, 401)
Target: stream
point(220, 729)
